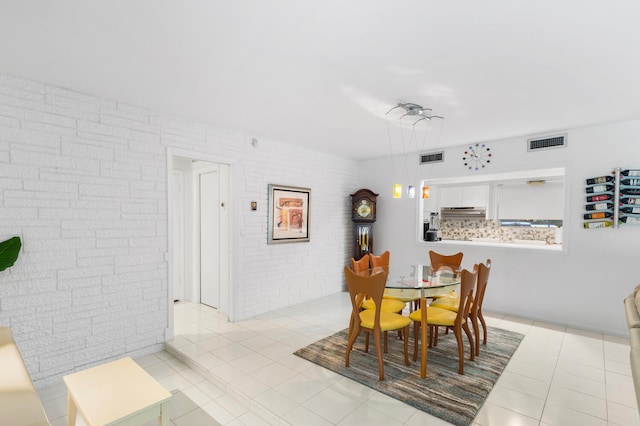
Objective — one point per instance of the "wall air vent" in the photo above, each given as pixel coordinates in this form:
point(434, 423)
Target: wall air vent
point(558, 141)
point(432, 157)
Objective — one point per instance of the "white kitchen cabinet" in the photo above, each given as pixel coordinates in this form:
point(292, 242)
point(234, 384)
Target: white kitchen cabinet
point(527, 202)
point(464, 196)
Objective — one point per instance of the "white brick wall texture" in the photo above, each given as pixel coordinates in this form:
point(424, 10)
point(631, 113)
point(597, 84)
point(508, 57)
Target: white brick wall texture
point(83, 182)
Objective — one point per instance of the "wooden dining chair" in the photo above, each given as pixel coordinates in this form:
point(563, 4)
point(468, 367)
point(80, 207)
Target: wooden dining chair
point(372, 321)
point(458, 321)
point(380, 261)
point(360, 265)
point(475, 314)
point(387, 305)
point(441, 261)
point(476, 309)
point(403, 296)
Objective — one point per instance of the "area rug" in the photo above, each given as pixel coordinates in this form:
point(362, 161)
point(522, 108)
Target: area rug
point(444, 393)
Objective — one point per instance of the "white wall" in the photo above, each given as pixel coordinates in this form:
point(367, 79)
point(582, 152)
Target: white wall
point(583, 287)
point(83, 181)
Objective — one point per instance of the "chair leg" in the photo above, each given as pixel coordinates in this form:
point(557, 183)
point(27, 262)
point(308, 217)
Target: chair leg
point(433, 335)
point(476, 331)
point(484, 327)
point(458, 333)
point(416, 329)
point(376, 338)
point(406, 346)
point(386, 342)
point(467, 331)
point(352, 338)
point(366, 342)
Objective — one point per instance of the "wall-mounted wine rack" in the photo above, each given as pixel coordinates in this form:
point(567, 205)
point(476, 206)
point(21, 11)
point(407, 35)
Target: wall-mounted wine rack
point(613, 200)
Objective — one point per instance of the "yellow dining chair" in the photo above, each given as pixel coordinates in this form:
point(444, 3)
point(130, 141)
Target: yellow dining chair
point(442, 261)
point(452, 302)
point(401, 295)
point(372, 321)
point(456, 320)
point(388, 305)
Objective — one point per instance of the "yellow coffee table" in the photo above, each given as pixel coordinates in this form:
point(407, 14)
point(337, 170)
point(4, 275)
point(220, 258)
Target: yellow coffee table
point(116, 393)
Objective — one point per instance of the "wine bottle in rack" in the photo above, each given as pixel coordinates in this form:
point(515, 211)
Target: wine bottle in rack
point(599, 197)
point(630, 200)
point(630, 191)
point(600, 179)
point(630, 220)
point(599, 224)
point(630, 173)
point(630, 210)
point(599, 188)
point(599, 206)
point(597, 215)
point(632, 181)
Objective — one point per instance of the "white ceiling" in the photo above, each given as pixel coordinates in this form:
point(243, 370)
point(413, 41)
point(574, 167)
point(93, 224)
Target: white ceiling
point(323, 74)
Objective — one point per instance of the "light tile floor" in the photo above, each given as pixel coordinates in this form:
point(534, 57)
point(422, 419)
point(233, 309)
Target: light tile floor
point(245, 373)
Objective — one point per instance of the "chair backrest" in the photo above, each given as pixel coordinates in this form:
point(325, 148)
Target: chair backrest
point(467, 287)
point(361, 287)
point(360, 265)
point(380, 261)
point(441, 261)
point(484, 269)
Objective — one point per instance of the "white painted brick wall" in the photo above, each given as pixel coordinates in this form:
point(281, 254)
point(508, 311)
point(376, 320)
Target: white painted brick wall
point(83, 182)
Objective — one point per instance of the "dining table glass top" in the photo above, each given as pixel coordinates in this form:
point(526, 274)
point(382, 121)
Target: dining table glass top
point(418, 280)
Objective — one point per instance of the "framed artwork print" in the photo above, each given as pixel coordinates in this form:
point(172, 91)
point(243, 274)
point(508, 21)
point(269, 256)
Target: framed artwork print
point(288, 214)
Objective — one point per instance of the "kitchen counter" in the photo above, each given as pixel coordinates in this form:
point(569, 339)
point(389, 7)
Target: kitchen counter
point(494, 243)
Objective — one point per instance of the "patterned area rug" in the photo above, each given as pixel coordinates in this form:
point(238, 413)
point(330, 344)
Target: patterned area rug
point(444, 393)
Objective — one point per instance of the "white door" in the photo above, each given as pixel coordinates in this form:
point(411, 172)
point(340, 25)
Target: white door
point(178, 236)
point(210, 236)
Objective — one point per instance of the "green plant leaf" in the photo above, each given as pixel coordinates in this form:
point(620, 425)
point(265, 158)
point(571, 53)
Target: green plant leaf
point(9, 250)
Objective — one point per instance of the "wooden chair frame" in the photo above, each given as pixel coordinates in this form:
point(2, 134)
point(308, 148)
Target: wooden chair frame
point(372, 286)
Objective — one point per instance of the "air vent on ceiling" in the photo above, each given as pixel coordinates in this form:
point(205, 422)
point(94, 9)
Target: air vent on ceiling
point(558, 141)
point(432, 157)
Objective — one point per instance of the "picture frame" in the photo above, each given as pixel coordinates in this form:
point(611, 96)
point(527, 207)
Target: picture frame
point(288, 220)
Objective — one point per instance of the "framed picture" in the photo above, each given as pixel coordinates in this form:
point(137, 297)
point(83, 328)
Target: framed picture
point(288, 214)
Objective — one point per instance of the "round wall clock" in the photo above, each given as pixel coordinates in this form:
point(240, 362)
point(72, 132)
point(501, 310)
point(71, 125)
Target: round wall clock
point(477, 157)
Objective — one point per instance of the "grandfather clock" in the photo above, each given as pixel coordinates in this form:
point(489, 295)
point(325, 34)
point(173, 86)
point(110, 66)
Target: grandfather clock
point(363, 214)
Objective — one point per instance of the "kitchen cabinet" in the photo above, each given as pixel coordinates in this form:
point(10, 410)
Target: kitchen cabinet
point(464, 196)
point(529, 202)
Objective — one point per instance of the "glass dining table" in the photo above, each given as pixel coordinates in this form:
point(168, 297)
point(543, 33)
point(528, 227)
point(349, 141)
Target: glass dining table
point(417, 282)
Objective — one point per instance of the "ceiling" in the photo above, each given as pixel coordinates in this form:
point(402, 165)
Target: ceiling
point(324, 74)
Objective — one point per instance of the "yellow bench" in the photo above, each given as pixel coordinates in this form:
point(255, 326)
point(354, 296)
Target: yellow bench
point(19, 402)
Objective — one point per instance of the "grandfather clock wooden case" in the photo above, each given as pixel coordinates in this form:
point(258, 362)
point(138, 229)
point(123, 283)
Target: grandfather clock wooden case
point(363, 214)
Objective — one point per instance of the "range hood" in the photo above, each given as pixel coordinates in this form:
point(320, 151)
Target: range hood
point(463, 213)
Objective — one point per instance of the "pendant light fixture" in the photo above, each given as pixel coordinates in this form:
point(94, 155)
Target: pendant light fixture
point(425, 192)
point(418, 113)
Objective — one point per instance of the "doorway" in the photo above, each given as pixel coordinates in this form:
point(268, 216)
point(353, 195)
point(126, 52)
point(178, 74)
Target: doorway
point(213, 220)
point(200, 232)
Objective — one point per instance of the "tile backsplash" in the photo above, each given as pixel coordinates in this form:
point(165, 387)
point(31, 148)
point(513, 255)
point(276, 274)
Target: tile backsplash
point(466, 229)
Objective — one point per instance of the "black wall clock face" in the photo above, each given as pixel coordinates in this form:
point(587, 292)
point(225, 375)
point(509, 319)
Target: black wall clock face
point(477, 157)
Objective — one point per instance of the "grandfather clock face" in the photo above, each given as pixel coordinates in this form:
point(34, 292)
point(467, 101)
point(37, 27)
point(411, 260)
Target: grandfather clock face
point(363, 206)
point(363, 209)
